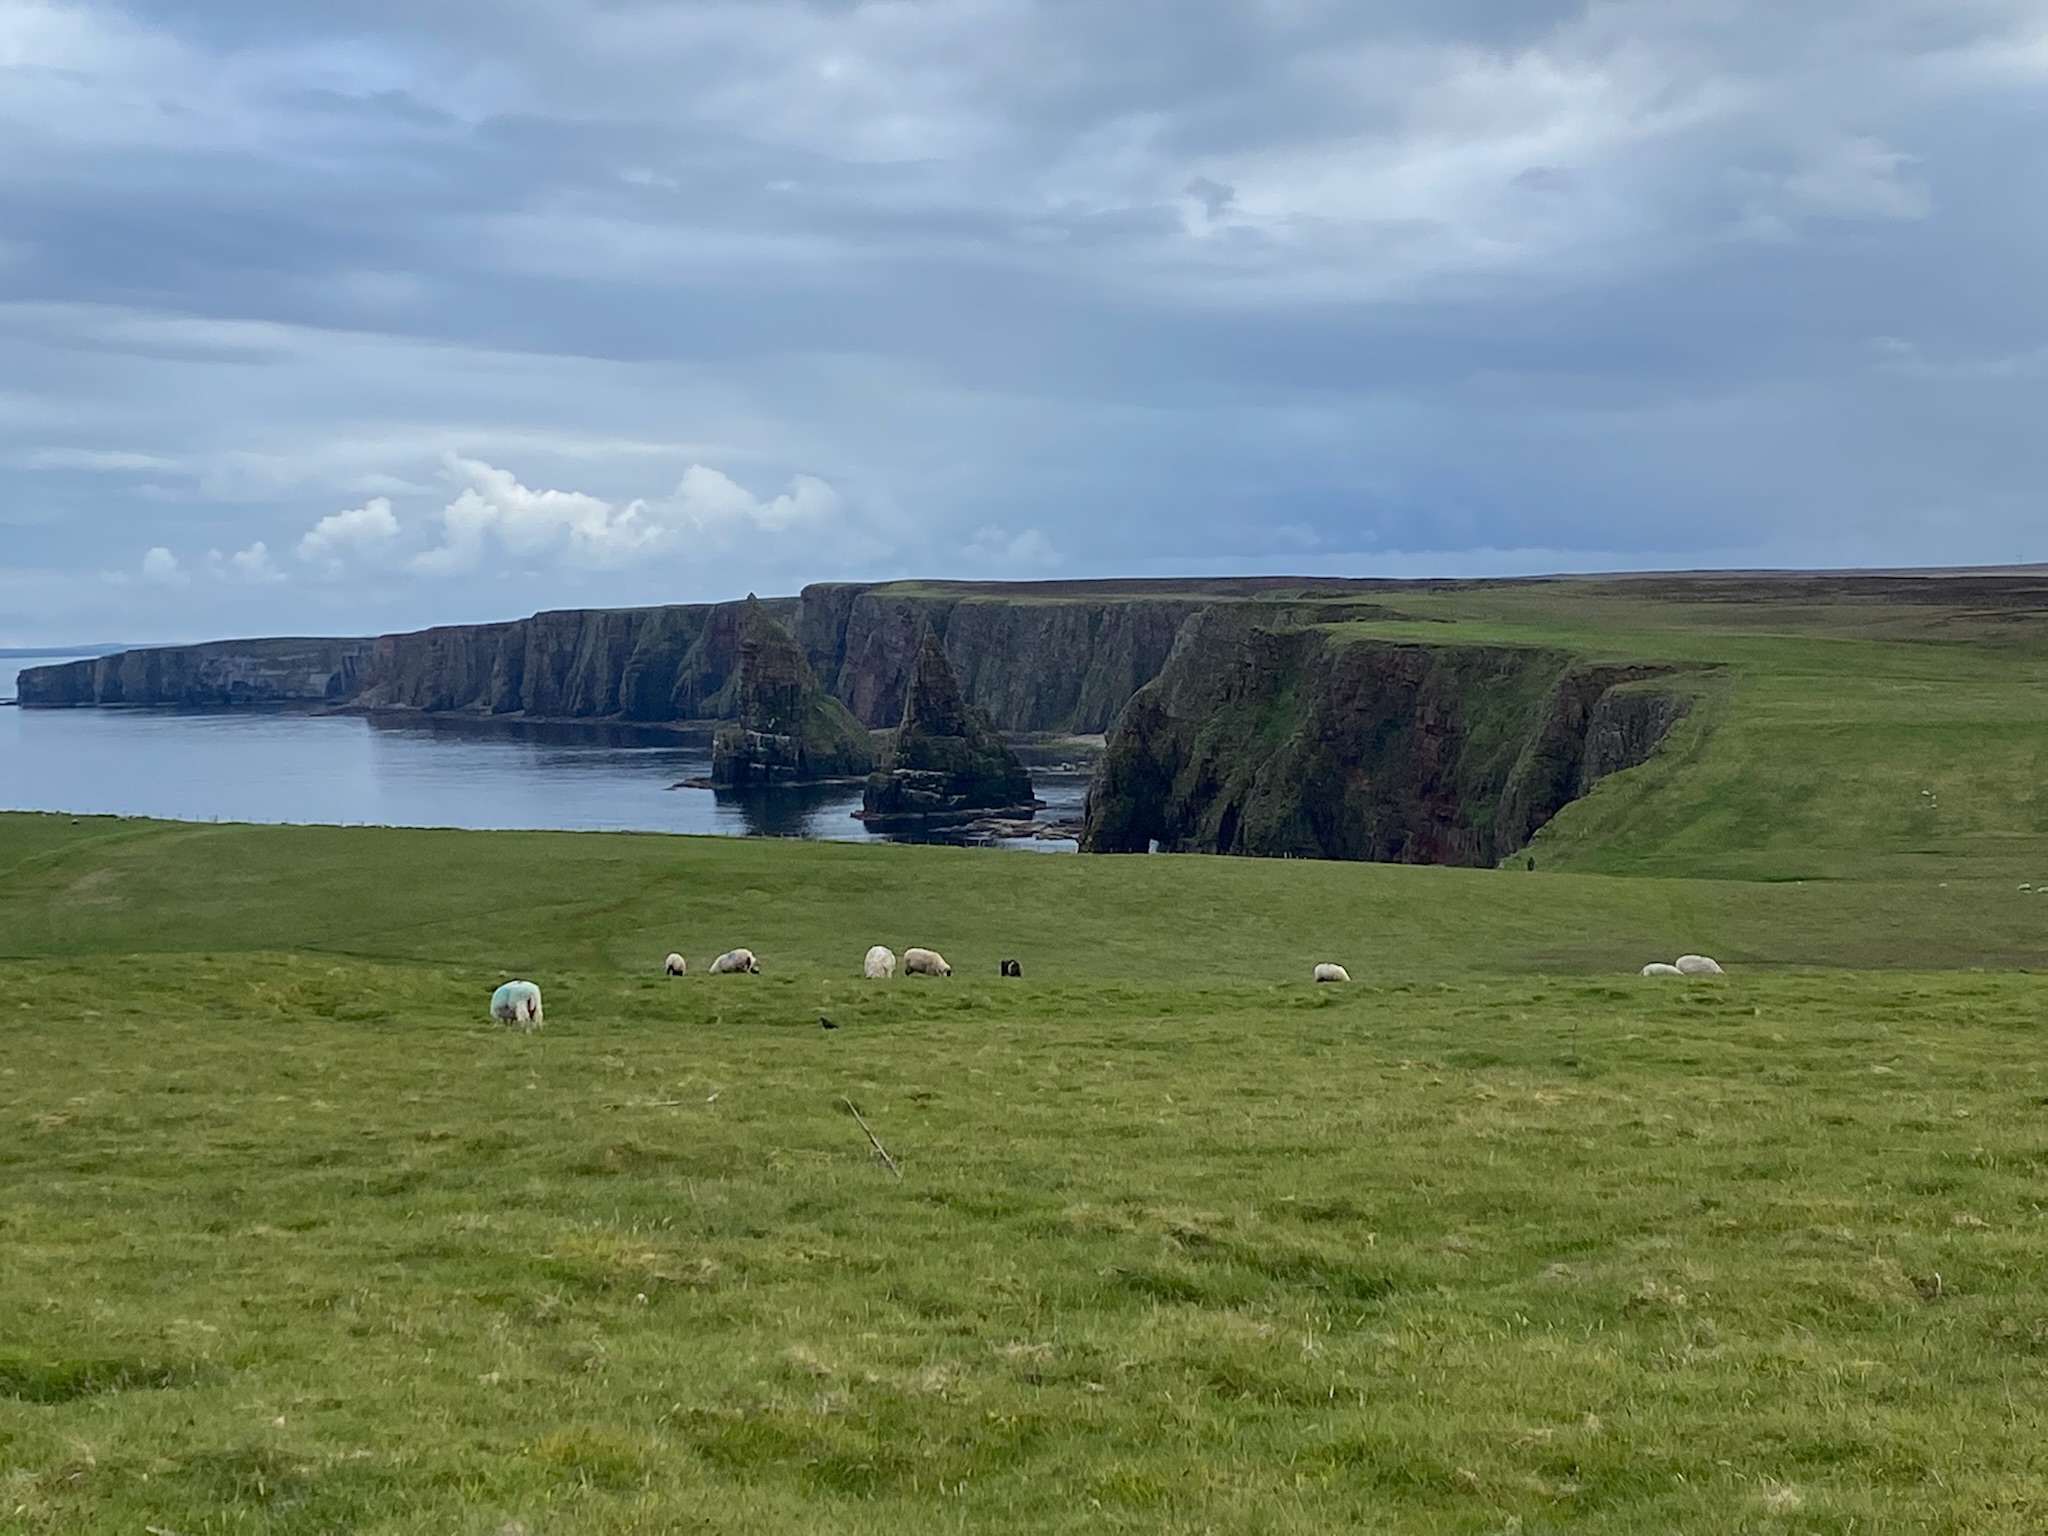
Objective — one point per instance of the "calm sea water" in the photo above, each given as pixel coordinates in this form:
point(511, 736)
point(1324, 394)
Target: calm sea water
point(289, 767)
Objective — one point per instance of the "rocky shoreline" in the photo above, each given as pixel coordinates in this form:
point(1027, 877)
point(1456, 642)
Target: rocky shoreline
point(1276, 717)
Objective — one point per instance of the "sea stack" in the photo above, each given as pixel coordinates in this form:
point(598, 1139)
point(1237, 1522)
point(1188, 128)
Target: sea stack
point(783, 727)
point(946, 761)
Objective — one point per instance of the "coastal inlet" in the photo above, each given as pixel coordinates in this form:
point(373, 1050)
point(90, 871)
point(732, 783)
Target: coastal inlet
point(275, 765)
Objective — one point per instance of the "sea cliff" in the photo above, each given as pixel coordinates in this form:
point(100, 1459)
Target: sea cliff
point(1034, 657)
point(219, 674)
point(1273, 718)
point(1299, 741)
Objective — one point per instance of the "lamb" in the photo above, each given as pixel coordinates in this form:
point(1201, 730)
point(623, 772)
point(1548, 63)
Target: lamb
point(1698, 965)
point(1329, 972)
point(880, 964)
point(734, 961)
point(1659, 968)
point(517, 1002)
point(1011, 968)
point(925, 962)
point(676, 966)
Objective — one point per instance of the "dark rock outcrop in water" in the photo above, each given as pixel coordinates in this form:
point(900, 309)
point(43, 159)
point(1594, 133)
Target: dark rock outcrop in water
point(1256, 740)
point(222, 674)
point(784, 728)
point(946, 761)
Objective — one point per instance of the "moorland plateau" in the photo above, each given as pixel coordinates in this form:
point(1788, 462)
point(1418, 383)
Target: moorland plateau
point(1501, 1237)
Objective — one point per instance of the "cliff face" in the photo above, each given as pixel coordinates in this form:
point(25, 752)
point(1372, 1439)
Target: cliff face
point(577, 663)
point(1240, 726)
point(223, 674)
point(1256, 740)
point(1034, 665)
point(1031, 662)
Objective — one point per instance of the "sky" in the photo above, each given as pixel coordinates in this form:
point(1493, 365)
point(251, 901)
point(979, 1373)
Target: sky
point(345, 318)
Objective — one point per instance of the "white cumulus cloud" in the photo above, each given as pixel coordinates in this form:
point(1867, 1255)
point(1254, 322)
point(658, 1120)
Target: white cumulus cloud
point(707, 511)
point(160, 568)
point(355, 534)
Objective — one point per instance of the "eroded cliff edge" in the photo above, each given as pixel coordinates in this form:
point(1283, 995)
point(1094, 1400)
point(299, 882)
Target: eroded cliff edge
point(1033, 657)
point(1306, 742)
point(1246, 716)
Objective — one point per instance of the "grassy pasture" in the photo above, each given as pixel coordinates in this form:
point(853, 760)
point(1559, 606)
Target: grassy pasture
point(296, 1244)
point(292, 1242)
point(1501, 1238)
point(547, 902)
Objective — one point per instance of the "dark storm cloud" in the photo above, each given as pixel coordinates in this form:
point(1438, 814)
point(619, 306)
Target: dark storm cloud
point(551, 301)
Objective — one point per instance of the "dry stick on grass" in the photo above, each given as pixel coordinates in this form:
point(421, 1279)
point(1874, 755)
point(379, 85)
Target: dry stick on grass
point(880, 1151)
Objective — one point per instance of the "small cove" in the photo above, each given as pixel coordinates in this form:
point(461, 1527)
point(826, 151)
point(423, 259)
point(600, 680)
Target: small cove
point(288, 766)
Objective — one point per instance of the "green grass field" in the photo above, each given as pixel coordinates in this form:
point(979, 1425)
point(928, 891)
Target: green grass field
point(1501, 1237)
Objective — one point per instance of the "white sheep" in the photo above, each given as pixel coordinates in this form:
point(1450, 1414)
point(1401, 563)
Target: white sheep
point(1659, 968)
point(1329, 972)
point(1697, 965)
point(925, 962)
point(880, 963)
point(517, 1002)
point(734, 961)
point(676, 965)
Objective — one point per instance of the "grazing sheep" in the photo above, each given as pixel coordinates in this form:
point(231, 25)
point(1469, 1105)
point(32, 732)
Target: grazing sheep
point(925, 962)
point(1659, 968)
point(677, 966)
point(734, 961)
point(1329, 972)
point(1697, 965)
point(517, 1002)
point(880, 964)
point(1011, 968)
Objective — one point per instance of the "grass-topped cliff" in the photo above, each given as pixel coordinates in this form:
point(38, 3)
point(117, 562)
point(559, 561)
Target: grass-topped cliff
point(1785, 726)
point(1304, 741)
point(1804, 728)
point(1841, 726)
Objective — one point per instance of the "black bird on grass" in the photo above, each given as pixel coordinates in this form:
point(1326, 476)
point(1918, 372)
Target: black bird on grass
point(825, 1023)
